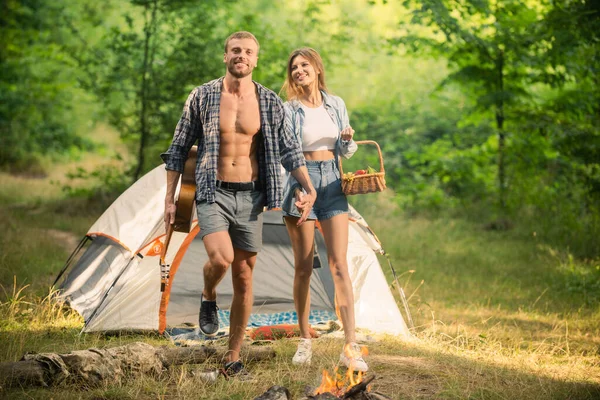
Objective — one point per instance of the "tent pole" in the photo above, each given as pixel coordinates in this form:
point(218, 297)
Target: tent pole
point(400, 290)
point(71, 257)
point(107, 293)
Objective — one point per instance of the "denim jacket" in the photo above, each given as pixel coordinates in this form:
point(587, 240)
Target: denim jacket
point(335, 107)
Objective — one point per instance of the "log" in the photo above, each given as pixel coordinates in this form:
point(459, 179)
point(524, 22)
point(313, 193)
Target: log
point(93, 366)
point(275, 393)
point(24, 373)
point(324, 396)
point(201, 354)
point(185, 355)
point(358, 388)
point(248, 353)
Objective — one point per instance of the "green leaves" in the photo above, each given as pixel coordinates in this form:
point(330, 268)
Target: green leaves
point(38, 87)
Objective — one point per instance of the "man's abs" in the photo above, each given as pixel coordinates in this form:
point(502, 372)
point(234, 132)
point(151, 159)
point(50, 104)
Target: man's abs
point(240, 127)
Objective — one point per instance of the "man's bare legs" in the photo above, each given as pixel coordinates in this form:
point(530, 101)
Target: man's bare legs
point(221, 254)
point(241, 306)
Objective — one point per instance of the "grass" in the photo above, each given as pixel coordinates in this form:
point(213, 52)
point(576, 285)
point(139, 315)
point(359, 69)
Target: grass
point(40, 227)
point(498, 314)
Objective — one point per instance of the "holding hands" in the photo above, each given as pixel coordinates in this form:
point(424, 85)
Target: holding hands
point(304, 203)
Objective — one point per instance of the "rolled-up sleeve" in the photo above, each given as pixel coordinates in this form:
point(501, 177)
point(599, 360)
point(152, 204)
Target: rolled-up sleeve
point(289, 147)
point(187, 132)
point(347, 147)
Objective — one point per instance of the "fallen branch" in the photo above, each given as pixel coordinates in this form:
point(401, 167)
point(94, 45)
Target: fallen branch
point(94, 366)
point(359, 387)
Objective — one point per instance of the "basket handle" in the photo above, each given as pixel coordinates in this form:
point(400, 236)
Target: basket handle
point(381, 169)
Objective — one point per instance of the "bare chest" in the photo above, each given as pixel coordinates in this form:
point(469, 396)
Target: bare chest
point(239, 114)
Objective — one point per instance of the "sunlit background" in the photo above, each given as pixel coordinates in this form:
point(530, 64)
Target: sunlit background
point(487, 113)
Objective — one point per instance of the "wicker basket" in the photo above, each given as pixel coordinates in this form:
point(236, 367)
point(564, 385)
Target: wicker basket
point(366, 183)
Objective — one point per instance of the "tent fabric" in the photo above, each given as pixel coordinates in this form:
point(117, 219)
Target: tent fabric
point(94, 274)
point(131, 219)
point(115, 284)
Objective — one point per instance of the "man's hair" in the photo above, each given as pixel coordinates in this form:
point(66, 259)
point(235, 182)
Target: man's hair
point(290, 88)
point(241, 35)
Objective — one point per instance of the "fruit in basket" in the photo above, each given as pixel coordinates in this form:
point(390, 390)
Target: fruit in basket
point(360, 172)
point(371, 170)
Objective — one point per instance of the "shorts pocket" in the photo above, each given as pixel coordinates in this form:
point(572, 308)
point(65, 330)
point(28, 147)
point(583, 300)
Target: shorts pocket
point(257, 199)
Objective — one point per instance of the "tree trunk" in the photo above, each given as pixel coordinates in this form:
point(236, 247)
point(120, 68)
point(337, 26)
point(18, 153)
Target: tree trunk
point(94, 366)
point(500, 128)
point(149, 30)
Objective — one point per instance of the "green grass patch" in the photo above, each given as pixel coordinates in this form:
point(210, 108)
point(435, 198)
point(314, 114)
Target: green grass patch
point(498, 313)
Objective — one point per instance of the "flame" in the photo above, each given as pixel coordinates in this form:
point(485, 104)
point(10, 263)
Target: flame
point(364, 351)
point(338, 384)
point(329, 384)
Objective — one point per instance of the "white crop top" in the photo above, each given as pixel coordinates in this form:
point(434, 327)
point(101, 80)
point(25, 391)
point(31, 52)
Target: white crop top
point(319, 131)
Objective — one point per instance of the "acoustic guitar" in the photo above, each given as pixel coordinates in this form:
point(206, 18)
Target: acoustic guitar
point(183, 213)
point(187, 194)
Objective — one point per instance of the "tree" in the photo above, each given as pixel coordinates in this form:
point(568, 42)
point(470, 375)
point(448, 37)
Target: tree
point(143, 68)
point(492, 49)
point(37, 114)
point(572, 34)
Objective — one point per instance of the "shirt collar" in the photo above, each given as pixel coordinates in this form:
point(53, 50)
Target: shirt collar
point(217, 85)
point(296, 104)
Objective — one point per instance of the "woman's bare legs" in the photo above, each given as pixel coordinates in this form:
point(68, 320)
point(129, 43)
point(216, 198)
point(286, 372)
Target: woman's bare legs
point(335, 232)
point(302, 238)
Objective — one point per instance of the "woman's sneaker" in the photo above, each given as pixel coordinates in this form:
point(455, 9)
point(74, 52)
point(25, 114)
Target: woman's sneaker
point(304, 353)
point(351, 357)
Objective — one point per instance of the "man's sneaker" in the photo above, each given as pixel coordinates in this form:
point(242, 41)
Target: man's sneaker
point(304, 353)
point(209, 318)
point(235, 369)
point(351, 357)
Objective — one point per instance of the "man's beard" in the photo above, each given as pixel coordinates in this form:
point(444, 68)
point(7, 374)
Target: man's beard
point(238, 74)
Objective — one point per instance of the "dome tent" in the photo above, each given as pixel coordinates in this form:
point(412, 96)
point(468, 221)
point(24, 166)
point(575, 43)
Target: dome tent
point(116, 283)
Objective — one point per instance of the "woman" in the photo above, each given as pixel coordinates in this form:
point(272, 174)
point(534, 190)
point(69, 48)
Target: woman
point(320, 122)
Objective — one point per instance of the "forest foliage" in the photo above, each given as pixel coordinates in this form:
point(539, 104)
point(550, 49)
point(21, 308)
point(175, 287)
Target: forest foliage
point(490, 107)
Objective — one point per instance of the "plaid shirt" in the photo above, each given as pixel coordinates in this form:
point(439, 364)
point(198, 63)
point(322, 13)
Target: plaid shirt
point(199, 123)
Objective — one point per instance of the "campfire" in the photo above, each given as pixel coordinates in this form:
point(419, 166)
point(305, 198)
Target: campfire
point(351, 385)
point(359, 391)
point(338, 384)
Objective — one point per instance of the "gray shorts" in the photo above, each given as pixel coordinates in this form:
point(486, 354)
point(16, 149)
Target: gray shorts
point(238, 212)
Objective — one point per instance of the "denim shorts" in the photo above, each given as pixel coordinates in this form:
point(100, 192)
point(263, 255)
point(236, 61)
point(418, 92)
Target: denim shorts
point(331, 201)
point(238, 212)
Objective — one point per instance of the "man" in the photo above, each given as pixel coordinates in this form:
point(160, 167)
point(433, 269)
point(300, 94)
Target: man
point(239, 127)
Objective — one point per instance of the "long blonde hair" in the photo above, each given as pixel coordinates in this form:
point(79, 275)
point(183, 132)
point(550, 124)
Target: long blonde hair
point(293, 91)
